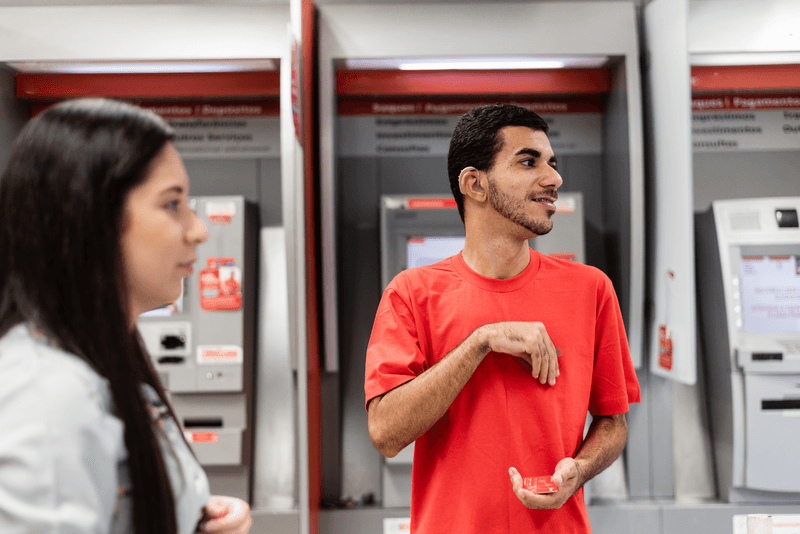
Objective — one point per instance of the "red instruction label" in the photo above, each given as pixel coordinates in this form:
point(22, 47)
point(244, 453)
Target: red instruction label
point(220, 285)
point(201, 437)
point(543, 484)
point(664, 348)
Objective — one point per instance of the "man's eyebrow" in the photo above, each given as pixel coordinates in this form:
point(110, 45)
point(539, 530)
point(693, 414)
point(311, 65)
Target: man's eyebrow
point(529, 151)
point(536, 154)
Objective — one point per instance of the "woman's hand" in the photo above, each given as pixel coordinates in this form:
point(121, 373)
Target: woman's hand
point(226, 515)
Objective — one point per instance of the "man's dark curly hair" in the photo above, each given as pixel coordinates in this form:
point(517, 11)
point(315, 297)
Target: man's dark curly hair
point(476, 140)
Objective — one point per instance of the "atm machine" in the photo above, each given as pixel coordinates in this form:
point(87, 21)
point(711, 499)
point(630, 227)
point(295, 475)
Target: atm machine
point(203, 345)
point(420, 230)
point(748, 268)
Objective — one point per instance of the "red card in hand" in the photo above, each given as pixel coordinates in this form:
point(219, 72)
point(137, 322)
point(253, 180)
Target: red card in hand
point(540, 484)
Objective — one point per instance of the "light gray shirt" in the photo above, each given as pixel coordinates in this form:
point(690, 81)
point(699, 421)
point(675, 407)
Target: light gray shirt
point(63, 461)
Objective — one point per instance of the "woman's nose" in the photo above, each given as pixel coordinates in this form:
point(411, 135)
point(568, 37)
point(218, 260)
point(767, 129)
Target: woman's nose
point(198, 233)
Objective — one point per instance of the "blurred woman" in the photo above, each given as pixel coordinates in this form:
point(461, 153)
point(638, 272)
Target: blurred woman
point(95, 229)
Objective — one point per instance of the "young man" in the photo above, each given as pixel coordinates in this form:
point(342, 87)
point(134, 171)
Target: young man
point(490, 359)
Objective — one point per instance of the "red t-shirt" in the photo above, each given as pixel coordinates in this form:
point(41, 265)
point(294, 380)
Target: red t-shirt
point(502, 417)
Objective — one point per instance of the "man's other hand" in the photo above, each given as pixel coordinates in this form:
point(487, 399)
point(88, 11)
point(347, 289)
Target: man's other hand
point(528, 341)
point(566, 476)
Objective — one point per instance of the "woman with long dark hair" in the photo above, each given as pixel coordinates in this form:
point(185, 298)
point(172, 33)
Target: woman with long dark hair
point(95, 229)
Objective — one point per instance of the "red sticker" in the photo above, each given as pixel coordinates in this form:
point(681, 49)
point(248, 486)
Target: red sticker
point(203, 437)
point(220, 212)
point(543, 484)
point(664, 348)
point(220, 285)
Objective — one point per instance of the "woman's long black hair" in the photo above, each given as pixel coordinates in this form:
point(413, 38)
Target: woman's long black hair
point(62, 198)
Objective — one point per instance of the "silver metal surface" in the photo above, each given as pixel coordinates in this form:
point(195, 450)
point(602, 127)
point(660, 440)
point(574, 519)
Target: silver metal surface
point(274, 473)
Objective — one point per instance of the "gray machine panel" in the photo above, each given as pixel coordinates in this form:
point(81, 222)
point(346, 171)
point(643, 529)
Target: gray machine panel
point(746, 297)
point(202, 346)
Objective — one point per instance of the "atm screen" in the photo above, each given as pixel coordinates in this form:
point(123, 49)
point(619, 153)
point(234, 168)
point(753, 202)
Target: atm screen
point(427, 250)
point(770, 291)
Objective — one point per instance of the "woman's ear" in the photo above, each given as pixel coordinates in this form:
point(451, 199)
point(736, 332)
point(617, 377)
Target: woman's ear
point(471, 184)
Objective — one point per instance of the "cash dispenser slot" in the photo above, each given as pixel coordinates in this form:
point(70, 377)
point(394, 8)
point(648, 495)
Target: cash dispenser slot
point(202, 422)
point(781, 404)
point(171, 359)
point(765, 356)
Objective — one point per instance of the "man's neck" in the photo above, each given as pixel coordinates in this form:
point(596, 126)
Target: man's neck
point(495, 255)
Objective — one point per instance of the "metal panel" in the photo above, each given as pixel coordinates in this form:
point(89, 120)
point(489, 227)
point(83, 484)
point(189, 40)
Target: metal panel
point(274, 455)
point(142, 32)
point(672, 277)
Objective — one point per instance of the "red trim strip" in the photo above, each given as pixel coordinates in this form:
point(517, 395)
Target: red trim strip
point(545, 81)
point(196, 108)
point(150, 85)
point(459, 105)
point(745, 101)
point(745, 77)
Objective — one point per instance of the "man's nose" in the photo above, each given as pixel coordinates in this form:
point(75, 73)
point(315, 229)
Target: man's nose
point(553, 179)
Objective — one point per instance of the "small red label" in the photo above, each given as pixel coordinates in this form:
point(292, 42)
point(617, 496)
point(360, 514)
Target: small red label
point(664, 348)
point(204, 437)
point(220, 212)
point(219, 354)
point(431, 203)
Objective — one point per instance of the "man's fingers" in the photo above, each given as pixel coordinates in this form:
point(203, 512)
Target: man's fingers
point(553, 370)
point(516, 478)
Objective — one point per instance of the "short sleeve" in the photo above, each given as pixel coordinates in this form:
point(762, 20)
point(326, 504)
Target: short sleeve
point(59, 452)
point(614, 382)
point(393, 355)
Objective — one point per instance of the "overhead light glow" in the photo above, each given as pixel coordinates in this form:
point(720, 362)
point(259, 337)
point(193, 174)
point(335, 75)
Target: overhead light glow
point(474, 63)
point(484, 65)
point(140, 67)
point(744, 58)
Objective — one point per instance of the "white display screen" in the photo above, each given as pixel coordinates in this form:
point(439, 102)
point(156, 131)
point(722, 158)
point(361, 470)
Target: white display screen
point(770, 291)
point(427, 250)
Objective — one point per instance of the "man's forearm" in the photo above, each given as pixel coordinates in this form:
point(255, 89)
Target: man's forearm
point(401, 415)
point(603, 444)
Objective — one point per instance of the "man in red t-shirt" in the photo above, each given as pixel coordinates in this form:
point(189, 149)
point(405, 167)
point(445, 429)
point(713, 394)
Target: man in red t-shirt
point(491, 358)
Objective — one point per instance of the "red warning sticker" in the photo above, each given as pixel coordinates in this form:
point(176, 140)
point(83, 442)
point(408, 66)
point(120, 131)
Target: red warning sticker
point(220, 285)
point(215, 354)
point(220, 212)
point(201, 437)
point(664, 348)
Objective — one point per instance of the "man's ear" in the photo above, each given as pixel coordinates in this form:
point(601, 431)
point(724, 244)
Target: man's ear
point(471, 184)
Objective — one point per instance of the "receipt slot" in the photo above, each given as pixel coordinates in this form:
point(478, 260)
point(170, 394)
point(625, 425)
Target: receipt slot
point(202, 345)
point(748, 268)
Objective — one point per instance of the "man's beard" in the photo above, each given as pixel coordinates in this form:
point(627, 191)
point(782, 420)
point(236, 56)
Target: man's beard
point(513, 209)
